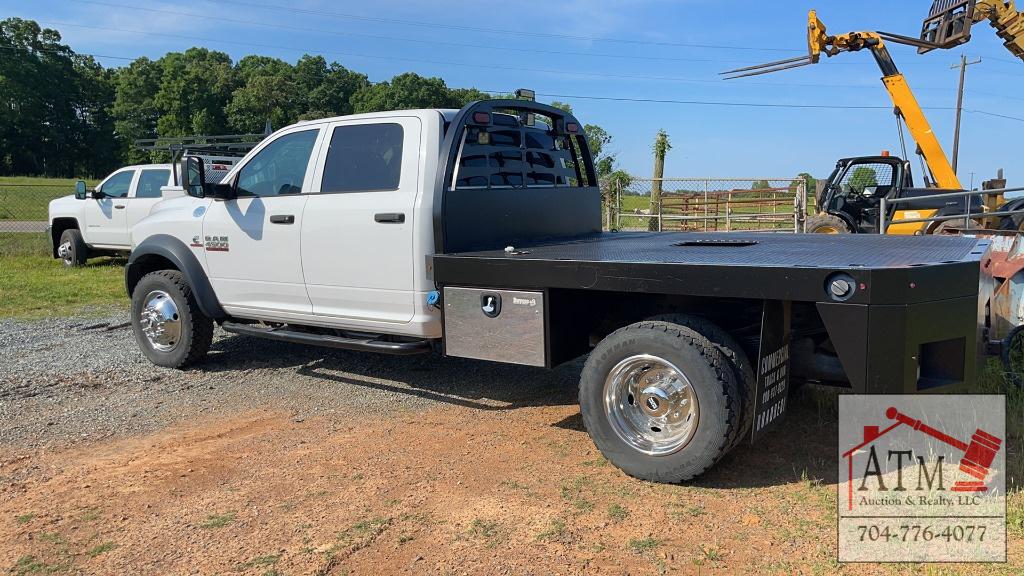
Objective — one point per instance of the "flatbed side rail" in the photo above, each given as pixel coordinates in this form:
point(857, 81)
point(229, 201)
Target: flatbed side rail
point(967, 214)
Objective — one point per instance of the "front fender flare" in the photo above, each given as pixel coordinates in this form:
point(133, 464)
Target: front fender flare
point(177, 253)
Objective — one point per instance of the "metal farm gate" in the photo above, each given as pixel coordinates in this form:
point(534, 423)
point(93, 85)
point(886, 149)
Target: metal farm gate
point(706, 204)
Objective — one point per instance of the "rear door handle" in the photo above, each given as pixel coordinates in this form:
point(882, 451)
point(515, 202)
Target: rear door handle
point(119, 206)
point(389, 218)
point(282, 219)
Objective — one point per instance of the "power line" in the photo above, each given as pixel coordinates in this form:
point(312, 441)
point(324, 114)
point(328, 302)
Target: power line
point(444, 26)
point(426, 61)
point(756, 104)
point(335, 32)
point(72, 54)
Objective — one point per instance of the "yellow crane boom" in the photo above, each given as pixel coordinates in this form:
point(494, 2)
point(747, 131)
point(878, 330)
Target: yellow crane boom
point(820, 42)
point(949, 23)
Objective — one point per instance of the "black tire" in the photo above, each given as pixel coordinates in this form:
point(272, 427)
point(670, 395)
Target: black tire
point(72, 249)
point(196, 329)
point(827, 224)
point(743, 370)
point(708, 371)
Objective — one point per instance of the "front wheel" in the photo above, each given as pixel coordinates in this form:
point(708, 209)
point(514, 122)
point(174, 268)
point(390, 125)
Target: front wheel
point(826, 224)
point(169, 326)
point(72, 250)
point(660, 401)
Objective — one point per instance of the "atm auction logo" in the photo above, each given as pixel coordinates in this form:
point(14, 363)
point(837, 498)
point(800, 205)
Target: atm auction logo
point(922, 479)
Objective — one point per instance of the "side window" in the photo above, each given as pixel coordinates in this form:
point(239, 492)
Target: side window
point(364, 158)
point(150, 183)
point(279, 168)
point(117, 185)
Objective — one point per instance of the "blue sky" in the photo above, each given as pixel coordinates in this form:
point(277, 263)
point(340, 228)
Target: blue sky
point(574, 48)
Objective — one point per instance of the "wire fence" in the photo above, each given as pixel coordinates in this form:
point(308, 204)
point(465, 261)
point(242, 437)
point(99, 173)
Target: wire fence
point(23, 207)
point(706, 204)
point(688, 204)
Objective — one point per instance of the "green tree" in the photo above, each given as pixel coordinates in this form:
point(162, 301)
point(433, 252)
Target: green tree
point(54, 104)
point(760, 185)
point(810, 184)
point(267, 92)
point(194, 92)
point(862, 178)
point(327, 88)
point(134, 110)
point(404, 92)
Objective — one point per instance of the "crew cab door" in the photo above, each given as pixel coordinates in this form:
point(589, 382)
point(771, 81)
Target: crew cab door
point(106, 222)
point(146, 193)
point(252, 241)
point(357, 231)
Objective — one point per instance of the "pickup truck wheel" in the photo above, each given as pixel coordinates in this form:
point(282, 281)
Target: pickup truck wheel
point(743, 370)
point(72, 249)
point(169, 326)
point(660, 401)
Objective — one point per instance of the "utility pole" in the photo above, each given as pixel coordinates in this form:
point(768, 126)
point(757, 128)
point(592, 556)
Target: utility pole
point(960, 104)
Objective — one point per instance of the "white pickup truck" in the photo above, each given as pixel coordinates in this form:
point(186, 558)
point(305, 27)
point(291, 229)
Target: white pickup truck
point(98, 223)
point(478, 233)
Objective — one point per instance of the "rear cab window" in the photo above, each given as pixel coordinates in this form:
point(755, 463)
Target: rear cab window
point(150, 182)
point(364, 158)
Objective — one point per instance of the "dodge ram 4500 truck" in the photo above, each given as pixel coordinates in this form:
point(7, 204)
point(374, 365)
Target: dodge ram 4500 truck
point(478, 232)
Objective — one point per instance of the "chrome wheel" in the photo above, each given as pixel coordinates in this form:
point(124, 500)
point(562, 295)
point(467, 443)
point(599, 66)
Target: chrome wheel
point(651, 404)
point(160, 321)
point(64, 251)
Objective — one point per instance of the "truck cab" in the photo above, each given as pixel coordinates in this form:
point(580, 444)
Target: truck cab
point(98, 222)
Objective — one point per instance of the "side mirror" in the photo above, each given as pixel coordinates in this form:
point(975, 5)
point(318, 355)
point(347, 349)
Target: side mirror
point(223, 191)
point(81, 193)
point(193, 176)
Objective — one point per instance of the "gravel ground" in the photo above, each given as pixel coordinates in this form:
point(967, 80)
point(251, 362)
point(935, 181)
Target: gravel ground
point(65, 380)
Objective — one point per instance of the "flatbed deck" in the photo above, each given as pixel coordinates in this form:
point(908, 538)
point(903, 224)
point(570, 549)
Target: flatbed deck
point(891, 270)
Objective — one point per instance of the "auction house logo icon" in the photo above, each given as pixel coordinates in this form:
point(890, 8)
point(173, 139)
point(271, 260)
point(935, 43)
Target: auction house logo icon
point(922, 478)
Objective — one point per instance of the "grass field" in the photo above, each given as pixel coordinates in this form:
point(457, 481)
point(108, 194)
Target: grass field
point(34, 285)
point(26, 198)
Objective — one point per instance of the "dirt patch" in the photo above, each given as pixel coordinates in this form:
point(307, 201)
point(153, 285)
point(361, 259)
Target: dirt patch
point(447, 490)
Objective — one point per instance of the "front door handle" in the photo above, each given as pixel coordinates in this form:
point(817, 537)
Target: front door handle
point(119, 206)
point(389, 218)
point(282, 219)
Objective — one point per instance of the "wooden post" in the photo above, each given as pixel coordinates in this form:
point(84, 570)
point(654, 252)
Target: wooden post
point(661, 148)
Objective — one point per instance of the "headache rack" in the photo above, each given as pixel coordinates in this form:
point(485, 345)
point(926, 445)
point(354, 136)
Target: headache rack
point(513, 171)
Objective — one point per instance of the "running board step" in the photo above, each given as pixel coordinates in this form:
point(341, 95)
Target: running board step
point(359, 344)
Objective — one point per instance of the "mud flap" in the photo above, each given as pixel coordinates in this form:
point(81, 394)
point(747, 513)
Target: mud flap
point(772, 367)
